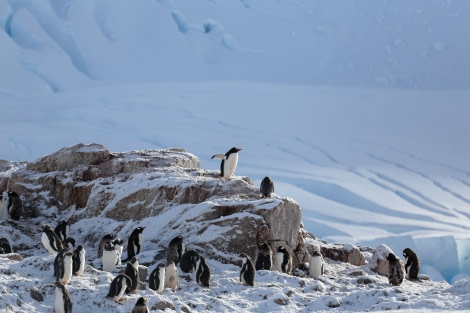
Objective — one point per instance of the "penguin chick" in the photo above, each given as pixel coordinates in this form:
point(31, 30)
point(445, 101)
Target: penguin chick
point(264, 259)
point(266, 187)
point(63, 300)
point(79, 260)
point(135, 244)
point(412, 264)
point(171, 276)
point(141, 306)
point(175, 250)
point(106, 238)
point(395, 270)
point(109, 257)
point(247, 272)
point(132, 271)
point(118, 245)
point(228, 163)
point(188, 263)
point(283, 260)
point(157, 278)
point(315, 268)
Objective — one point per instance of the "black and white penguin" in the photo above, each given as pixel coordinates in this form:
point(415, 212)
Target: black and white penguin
point(283, 260)
point(15, 205)
point(132, 271)
point(50, 240)
point(188, 263)
point(65, 268)
point(157, 278)
point(119, 245)
point(171, 276)
point(62, 229)
point(315, 265)
point(229, 162)
point(58, 258)
point(264, 259)
point(106, 238)
point(5, 246)
point(412, 264)
point(118, 287)
point(266, 187)
point(247, 273)
point(3, 204)
point(79, 260)
point(140, 306)
point(109, 258)
point(175, 250)
point(203, 273)
point(396, 273)
point(135, 244)
point(63, 300)
point(69, 242)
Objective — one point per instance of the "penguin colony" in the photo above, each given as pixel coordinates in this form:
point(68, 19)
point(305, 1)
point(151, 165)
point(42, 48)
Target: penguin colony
point(68, 263)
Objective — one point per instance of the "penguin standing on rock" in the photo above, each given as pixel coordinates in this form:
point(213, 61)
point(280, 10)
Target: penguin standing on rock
point(132, 271)
point(396, 274)
point(188, 263)
point(266, 187)
point(118, 287)
point(175, 250)
point(50, 240)
point(135, 245)
point(141, 306)
point(283, 260)
point(79, 260)
point(62, 229)
point(106, 238)
point(412, 264)
point(65, 268)
point(315, 266)
point(171, 276)
point(264, 260)
point(247, 273)
point(109, 257)
point(63, 300)
point(229, 162)
point(157, 278)
point(203, 273)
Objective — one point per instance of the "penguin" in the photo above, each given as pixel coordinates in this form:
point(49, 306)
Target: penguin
point(50, 240)
point(118, 287)
point(412, 264)
point(264, 259)
point(63, 299)
point(79, 260)
point(135, 245)
point(69, 242)
point(247, 273)
point(14, 206)
point(229, 162)
point(171, 276)
point(132, 271)
point(266, 187)
point(283, 260)
point(396, 272)
point(175, 250)
point(109, 257)
point(188, 261)
point(3, 204)
point(106, 238)
point(118, 245)
point(65, 268)
point(203, 273)
point(315, 266)
point(140, 306)
point(5, 246)
point(58, 258)
point(157, 278)
point(62, 229)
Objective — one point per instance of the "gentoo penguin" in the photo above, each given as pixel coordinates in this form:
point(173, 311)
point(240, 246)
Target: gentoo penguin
point(315, 266)
point(3, 204)
point(106, 238)
point(266, 187)
point(69, 242)
point(175, 250)
point(247, 273)
point(14, 206)
point(58, 259)
point(79, 260)
point(62, 229)
point(118, 287)
point(50, 240)
point(203, 273)
point(229, 162)
point(5, 246)
point(63, 300)
point(118, 245)
point(264, 259)
point(157, 278)
point(412, 264)
point(396, 272)
point(135, 245)
point(283, 260)
point(132, 271)
point(171, 276)
point(141, 306)
point(109, 257)
point(65, 268)
point(188, 261)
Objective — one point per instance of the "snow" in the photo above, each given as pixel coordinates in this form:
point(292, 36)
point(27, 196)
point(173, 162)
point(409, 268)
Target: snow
point(357, 111)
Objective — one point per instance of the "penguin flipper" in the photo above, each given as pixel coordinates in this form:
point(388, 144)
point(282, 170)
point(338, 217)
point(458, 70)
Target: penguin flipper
point(218, 156)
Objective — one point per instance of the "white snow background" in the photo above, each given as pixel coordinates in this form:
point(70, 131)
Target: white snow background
point(358, 110)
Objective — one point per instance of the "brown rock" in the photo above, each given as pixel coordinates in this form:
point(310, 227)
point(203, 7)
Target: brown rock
point(344, 253)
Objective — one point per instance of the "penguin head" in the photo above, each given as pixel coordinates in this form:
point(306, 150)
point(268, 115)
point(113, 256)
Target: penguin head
point(233, 150)
point(134, 262)
point(244, 257)
point(141, 301)
point(316, 253)
point(281, 249)
point(46, 227)
point(391, 257)
point(161, 265)
point(139, 229)
point(109, 246)
point(407, 252)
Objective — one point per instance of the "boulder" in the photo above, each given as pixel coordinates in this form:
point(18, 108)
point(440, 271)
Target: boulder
point(378, 262)
point(344, 253)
